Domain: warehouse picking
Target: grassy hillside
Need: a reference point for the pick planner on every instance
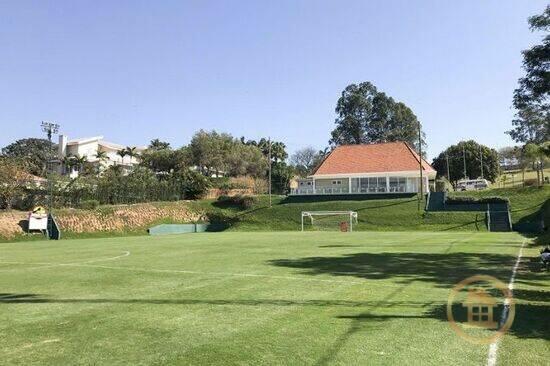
(514, 178)
(374, 214)
(525, 202)
(387, 214)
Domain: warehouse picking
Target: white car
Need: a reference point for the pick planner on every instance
(472, 184)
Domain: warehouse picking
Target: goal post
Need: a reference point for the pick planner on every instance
(326, 220)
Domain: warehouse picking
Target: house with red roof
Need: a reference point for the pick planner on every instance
(382, 168)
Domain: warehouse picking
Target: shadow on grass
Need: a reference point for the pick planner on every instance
(476, 222)
(530, 320)
(442, 269)
(42, 299)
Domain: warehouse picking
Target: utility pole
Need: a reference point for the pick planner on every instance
(420, 165)
(269, 161)
(481, 158)
(50, 128)
(448, 174)
(464, 159)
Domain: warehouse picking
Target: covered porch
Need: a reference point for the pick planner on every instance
(365, 184)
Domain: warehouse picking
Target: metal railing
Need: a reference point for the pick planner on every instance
(354, 190)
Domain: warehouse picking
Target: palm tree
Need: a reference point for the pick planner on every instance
(101, 156)
(68, 162)
(131, 152)
(80, 161)
(122, 153)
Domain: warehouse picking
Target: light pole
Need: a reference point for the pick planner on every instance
(481, 158)
(269, 162)
(464, 160)
(448, 173)
(420, 165)
(50, 128)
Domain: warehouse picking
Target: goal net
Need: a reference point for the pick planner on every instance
(329, 220)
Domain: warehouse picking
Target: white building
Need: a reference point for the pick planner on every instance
(387, 168)
(89, 148)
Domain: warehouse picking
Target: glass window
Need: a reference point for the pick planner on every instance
(355, 185)
(364, 185)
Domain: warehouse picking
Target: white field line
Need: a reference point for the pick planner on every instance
(493, 348)
(153, 270)
(217, 274)
(50, 264)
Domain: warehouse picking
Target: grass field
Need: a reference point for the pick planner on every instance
(261, 298)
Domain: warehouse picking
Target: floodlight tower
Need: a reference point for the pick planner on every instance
(50, 128)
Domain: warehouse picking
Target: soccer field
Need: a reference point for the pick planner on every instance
(261, 298)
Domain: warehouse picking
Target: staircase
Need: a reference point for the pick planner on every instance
(499, 221)
(53, 231)
(436, 201)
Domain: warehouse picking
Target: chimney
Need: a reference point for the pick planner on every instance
(62, 147)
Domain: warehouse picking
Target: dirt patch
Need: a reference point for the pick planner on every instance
(10, 223)
(127, 217)
(106, 218)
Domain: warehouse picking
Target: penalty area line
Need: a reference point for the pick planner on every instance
(50, 265)
(217, 274)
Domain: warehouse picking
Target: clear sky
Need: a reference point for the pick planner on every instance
(137, 70)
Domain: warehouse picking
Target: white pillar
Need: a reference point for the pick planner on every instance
(349, 185)
(313, 185)
(387, 184)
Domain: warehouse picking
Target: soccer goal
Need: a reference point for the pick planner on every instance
(329, 220)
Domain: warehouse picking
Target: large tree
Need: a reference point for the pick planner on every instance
(278, 148)
(33, 152)
(474, 154)
(366, 115)
(157, 144)
(12, 179)
(208, 151)
(531, 98)
(306, 160)
(537, 155)
(164, 160)
(215, 153)
(246, 160)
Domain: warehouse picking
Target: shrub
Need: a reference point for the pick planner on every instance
(193, 184)
(239, 201)
(89, 204)
(219, 182)
(468, 199)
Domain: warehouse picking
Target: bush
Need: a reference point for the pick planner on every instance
(219, 182)
(89, 204)
(468, 199)
(193, 184)
(531, 182)
(239, 201)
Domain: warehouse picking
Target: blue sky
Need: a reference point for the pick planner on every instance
(137, 70)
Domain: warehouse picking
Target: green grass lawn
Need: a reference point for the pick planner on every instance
(389, 214)
(525, 203)
(260, 298)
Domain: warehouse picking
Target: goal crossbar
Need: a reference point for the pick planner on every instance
(351, 214)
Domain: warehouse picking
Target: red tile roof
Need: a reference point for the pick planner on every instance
(372, 158)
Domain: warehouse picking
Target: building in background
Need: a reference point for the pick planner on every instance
(96, 151)
(383, 168)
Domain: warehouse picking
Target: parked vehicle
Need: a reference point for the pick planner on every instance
(472, 184)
